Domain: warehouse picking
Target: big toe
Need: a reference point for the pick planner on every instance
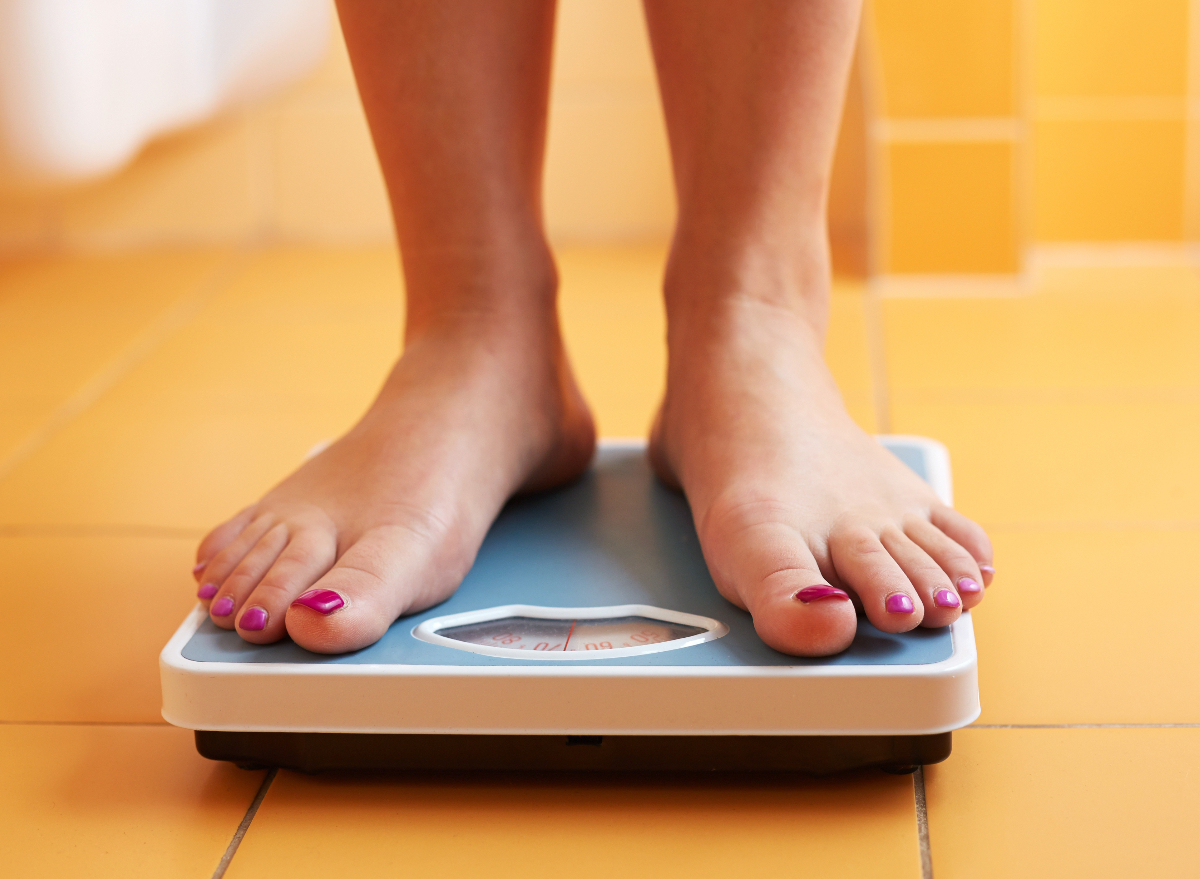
(380, 577)
(804, 620)
(767, 568)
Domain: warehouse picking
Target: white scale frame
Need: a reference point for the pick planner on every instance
(577, 698)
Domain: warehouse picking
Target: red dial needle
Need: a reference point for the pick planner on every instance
(569, 635)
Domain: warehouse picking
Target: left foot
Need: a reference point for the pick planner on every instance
(788, 493)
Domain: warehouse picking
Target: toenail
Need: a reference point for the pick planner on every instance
(987, 569)
(320, 600)
(253, 620)
(207, 591)
(200, 566)
(899, 602)
(816, 593)
(223, 606)
(946, 598)
(966, 584)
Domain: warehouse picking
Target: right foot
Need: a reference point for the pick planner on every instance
(388, 519)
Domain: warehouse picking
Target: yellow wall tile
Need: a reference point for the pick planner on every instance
(608, 171)
(114, 802)
(860, 825)
(335, 69)
(28, 222)
(1045, 804)
(603, 43)
(1108, 180)
(945, 58)
(950, 208)
(199, 186)
(1110, 47)
(327, 183)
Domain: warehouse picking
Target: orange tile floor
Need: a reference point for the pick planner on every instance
(144, 397)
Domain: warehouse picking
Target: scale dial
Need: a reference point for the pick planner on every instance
(525, 632)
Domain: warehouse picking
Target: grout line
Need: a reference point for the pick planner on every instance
(153, 531)
(922, 823)
(948, 130)
(223, 864)
(1052, 526)
(1084, 726)
(1191, 131)
(155, 723)
(145, 344)
(877, 360)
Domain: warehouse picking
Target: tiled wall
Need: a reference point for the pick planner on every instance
(980, 127)
(301, 168)
(1110, 102)
(946, 135)
(1004, 123)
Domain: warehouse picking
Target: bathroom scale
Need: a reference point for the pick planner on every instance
(588, 635)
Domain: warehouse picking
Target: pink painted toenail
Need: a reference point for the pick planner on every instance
(966, 584)
(946, 598)
(816, 593)
(320, 600)
(987, 569)
(253, 620)
(899, 602)
(223, 606)
(207, 591)
(200, 566)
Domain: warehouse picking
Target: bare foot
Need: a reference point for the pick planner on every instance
(388, 519)
(789, 494)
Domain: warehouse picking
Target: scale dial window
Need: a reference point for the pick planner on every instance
(525, 632)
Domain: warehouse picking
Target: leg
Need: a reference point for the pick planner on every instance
(388, 519)
(786, 490)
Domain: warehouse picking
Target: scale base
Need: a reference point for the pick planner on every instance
(813, 755)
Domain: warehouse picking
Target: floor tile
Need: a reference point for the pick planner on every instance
(289, 355)
(292, 352)
(615, 329)
(1139, 336)
(1066, 802)
(101, 801)
(1084, 626)
(98, 611)
(63, 319)
(1048, 461)
(582, 827)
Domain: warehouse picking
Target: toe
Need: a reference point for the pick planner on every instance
(968, 535)
(383, 574)
(959, 565)
(795, 611)
(889, 598)
(221, 565)
(943, 605)
(249, 571)
(764, 565)
(309, 554)
(219, 538)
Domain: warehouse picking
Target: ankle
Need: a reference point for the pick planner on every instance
(714, 281)
(715, 304)
(485, 289)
